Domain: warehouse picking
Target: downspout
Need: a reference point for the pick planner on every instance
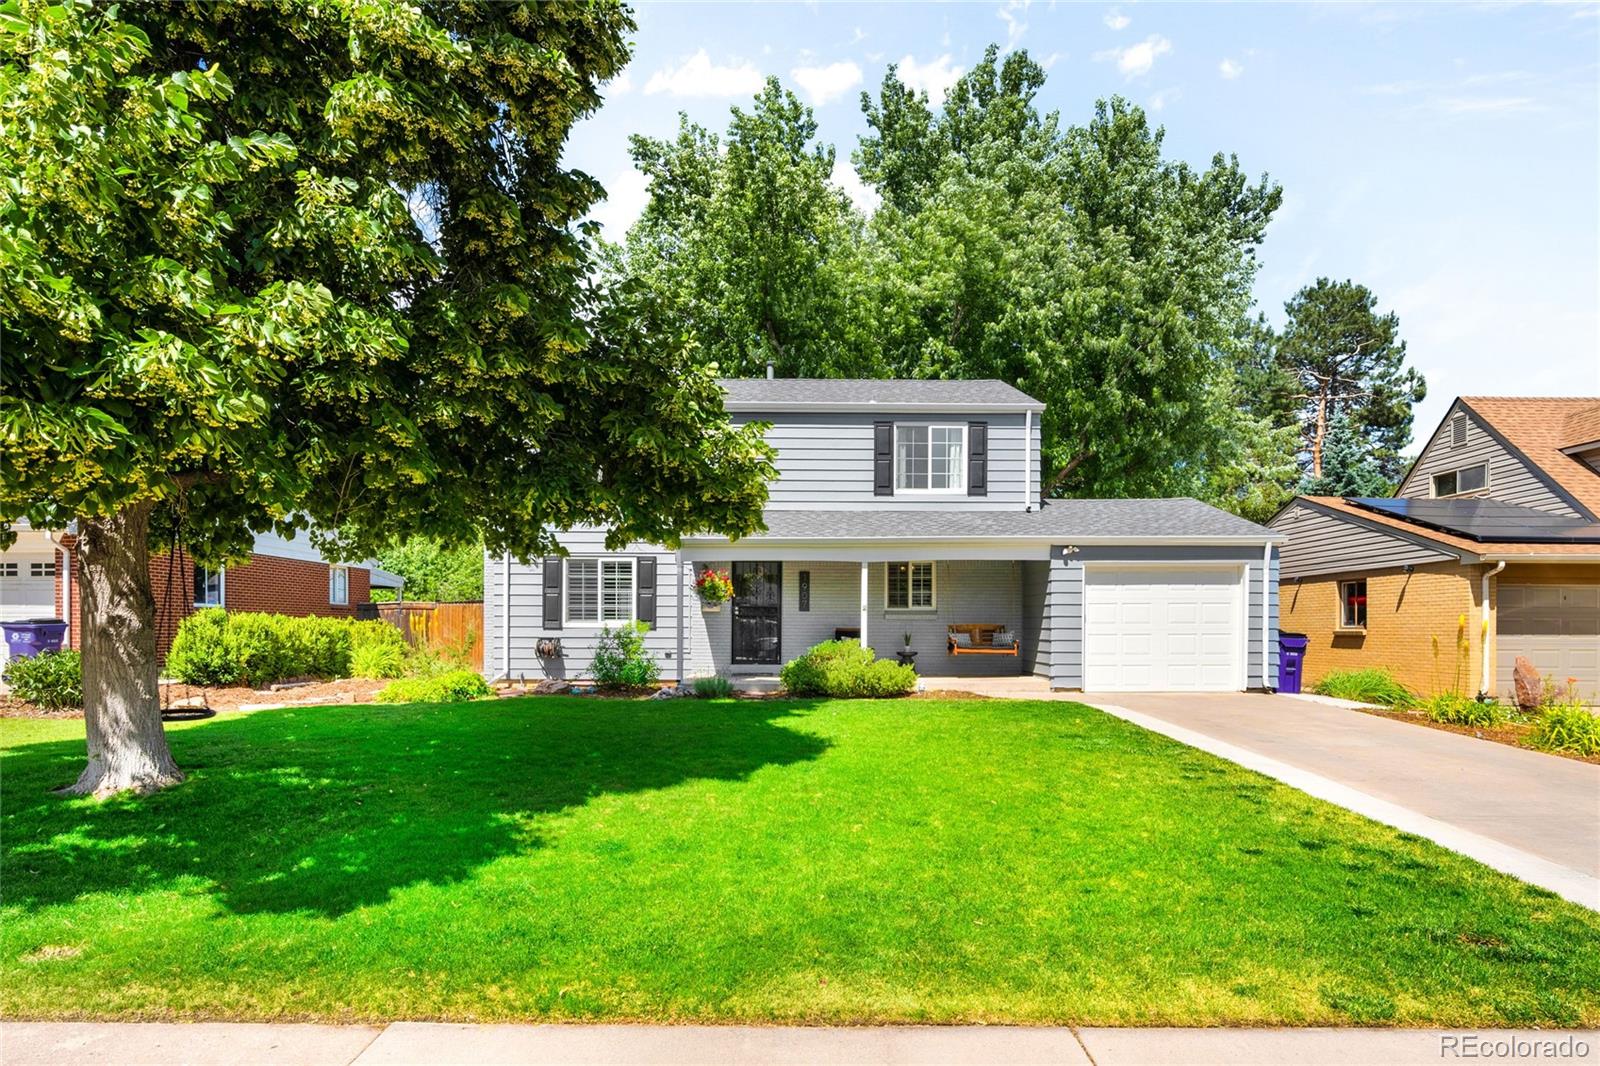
(66, 587)
(505, 622)
(1484, 683)
(1027, 460)
(1266, 611)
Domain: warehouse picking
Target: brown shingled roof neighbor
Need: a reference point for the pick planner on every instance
(1539, 428)
(1583, 426)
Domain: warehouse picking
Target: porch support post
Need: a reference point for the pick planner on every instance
(864, 574)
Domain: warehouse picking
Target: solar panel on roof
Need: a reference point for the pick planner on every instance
(1486, 520)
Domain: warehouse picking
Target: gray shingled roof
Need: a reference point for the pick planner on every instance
(836, 392)
(1060, 520)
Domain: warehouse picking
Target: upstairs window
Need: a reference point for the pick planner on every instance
(207, 587)
(908, 586)
(338, 585)
(930, 458)
(1353, 604)
(599, 591)
(1456, 482)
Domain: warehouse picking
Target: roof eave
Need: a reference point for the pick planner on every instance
(881, 408)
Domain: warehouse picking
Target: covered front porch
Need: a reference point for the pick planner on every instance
(895, 601)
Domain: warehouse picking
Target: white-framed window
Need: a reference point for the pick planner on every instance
(209, 587)
(8, 569)
(1353, 604)
(930, 457)
(338, 585)
(908, 586)
(1473, 478)
(599, 592)
(42, 569)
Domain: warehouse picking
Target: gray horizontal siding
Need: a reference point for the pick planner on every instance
(1036, 634)
(1511, 478)
(825, 462)
(1322, 543)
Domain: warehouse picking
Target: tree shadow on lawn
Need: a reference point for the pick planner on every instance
(329, 809)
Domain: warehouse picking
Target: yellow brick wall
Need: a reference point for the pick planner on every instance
(1413, 622)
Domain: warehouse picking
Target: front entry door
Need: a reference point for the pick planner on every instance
(757, 612)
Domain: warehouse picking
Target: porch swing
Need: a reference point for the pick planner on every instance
(979, 639)
(169, 713)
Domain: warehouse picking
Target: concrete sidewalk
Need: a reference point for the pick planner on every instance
(436, 1044)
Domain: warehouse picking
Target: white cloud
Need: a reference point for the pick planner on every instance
(1052, 59)
(1230, 69)
(1162, 97)
(933, 77)
(1137, 59)
(845, 177)
(1484, 105)
(621, 85)
(1011, 13)
(627, 194)
(859, 36)
(1117, 20)
(698, 76)
(827, 83)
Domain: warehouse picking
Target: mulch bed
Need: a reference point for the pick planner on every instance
(182, 699)
(1510, 734)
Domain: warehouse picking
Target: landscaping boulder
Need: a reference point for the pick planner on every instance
(1527, 684)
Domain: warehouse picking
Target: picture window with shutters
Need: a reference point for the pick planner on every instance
(599, 591)
(930, 458)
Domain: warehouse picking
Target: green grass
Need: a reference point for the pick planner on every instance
(1373, 685)
(752, 861)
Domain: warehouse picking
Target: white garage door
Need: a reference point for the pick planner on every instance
(1556, 627)
(1162, 630)
(27, 588)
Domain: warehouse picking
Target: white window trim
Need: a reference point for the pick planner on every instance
(961, 468)
(10, 569)
(933, 569)
(345, 600)
(632, 564)
(1340, 625)
(222, 587)
(1433, 482)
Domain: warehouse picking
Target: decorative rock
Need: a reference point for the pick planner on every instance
(1528, 685)
(551, 686)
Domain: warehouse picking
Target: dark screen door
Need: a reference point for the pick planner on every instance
(757, 612)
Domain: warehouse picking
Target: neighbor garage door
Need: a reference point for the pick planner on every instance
(1556, 627)
(1162, 630)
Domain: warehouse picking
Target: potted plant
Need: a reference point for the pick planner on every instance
(714, 587)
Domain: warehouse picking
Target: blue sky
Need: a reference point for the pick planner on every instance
(1446, 156)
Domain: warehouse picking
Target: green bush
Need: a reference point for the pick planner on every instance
(713, 688)
(620, 658)
(372, 632)
(844, 669)
(1365, 686)
(378, 660)
(1569, 726)
(454, 687)
(215, 647)
(199, 653)
(1452, 709)
(51, 681)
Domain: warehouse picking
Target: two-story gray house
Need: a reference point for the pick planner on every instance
(913, 507)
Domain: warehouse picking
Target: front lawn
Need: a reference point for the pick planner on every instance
(914, 860)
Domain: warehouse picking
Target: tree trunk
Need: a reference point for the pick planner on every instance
(121, 698)
(1319, 434)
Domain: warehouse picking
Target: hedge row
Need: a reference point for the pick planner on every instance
(218, 647)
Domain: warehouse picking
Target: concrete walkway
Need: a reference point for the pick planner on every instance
(433, 1044)
(1532, 815)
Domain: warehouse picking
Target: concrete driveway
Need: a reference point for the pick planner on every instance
(1541, 807)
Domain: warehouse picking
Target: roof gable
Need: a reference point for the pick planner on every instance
(1538, 428)
(853, 394)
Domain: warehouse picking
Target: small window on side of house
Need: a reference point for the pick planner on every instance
(1467, 479)
(1353, 604)
(207, 587)
(908, 586)
(338, 585)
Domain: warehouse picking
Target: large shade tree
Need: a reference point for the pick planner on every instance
(269, 266)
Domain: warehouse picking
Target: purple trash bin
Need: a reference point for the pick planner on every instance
(1291, 660)
(33, 636)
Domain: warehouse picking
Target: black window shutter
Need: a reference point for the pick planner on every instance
(199, 585)
(883, 458)
(977, 458)
(552, 592)
(645, 574)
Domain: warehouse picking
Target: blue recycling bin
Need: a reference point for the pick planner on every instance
(1291, 660)
(33, 636)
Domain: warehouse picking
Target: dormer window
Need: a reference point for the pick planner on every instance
(930, 457)
(1457, 482)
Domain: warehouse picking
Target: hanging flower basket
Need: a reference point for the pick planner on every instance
(714, 587)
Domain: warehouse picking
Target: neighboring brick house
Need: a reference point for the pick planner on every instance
(284, 575)
(1489, 550)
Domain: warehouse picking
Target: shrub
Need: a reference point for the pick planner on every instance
(315, 647)
(713, 688)
(1462, 710)
(844, 669)
(378, 660)
(1365, 686)
(51, 681)
(620, 658)
(1569, 727)
(199, 653)
(454, 687)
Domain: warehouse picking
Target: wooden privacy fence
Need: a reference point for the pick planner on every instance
(448, 628)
